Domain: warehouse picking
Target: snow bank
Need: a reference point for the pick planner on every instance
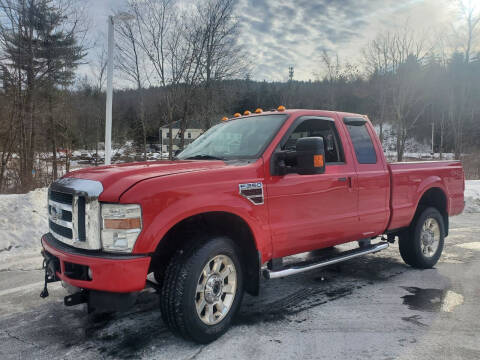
(23, 219)
(472, 196)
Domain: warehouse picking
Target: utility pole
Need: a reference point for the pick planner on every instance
(433, 133)
(290, 73)
(160, 135)
(108, 112)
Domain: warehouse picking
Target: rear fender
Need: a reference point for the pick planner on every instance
(430, 183)
(427, 184)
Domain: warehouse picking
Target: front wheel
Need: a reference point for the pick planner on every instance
(202, 289)
(422, 245)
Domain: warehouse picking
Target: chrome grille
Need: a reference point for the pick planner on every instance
(60, 214)
(61, 197)
(60, 230)
(74, 212)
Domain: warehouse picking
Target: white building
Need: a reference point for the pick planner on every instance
(190, 135)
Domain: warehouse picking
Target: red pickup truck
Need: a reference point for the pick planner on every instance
(249, 192)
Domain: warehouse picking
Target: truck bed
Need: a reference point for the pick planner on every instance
(410, 180)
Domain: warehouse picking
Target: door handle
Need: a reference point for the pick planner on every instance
(345, 179)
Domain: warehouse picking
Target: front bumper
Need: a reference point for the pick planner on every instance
(109, 272)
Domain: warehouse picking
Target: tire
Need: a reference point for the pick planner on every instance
(197, 264)
(159, 275)
(422, 244)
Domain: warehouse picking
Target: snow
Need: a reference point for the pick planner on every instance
(24, 217)
(472, 196)
(413, 148)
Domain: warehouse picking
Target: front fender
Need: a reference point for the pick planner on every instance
(164, 209)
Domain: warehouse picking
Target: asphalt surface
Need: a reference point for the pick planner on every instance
(373, 307)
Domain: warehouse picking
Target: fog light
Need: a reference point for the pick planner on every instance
(120, 240)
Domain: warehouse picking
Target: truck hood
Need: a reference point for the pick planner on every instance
(116, 179)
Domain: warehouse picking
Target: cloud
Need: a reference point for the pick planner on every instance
(281, 33)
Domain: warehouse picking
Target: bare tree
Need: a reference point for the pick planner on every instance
(155, 20)
(468, 32)
(332, 74)
(395, 60)
(8, 132)
(131, 61)
(220, 59)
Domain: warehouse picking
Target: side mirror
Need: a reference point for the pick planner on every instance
(310, 155)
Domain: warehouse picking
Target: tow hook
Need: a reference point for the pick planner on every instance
(49, 264)
(78, 298)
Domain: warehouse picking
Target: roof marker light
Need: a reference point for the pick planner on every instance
(246, 112)
(224, 118)
(258, 111)
(237, 115)
(281, 108)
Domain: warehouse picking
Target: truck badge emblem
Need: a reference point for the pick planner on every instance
(252, 192)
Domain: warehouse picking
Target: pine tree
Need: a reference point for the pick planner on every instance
(39, 55)
(59, 55)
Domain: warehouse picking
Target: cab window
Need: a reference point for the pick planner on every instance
(318, 128)
(362, 142)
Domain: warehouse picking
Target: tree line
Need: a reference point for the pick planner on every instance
(182, 67)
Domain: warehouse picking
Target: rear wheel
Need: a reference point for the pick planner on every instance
(422, 245)
(202, 289)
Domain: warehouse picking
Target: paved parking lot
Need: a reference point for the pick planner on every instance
(373, 307)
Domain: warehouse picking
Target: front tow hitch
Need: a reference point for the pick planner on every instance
(76, 299)
(51, 265)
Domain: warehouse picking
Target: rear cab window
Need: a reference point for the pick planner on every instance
(361, 140)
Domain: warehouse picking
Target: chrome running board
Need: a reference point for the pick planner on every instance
(347, 255)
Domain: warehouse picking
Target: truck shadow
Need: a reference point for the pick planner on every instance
(280, 299)
(140, 331)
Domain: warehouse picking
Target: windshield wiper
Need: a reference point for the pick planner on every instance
(203, 157)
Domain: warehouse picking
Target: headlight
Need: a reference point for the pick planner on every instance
(121, 225)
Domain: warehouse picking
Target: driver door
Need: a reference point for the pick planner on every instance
(308, 212)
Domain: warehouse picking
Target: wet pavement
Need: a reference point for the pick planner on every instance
(373, 307)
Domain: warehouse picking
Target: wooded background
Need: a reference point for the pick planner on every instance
(182, 66)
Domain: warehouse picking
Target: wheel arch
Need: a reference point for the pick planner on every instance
(213, 223)
(434, 196)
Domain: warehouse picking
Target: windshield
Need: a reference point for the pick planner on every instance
(244, 138)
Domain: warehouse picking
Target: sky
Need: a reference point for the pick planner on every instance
(281, 33)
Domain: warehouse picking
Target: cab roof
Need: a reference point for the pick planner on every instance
(303, 111)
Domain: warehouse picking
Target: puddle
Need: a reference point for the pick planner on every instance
(470, 246)
(432, 300)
